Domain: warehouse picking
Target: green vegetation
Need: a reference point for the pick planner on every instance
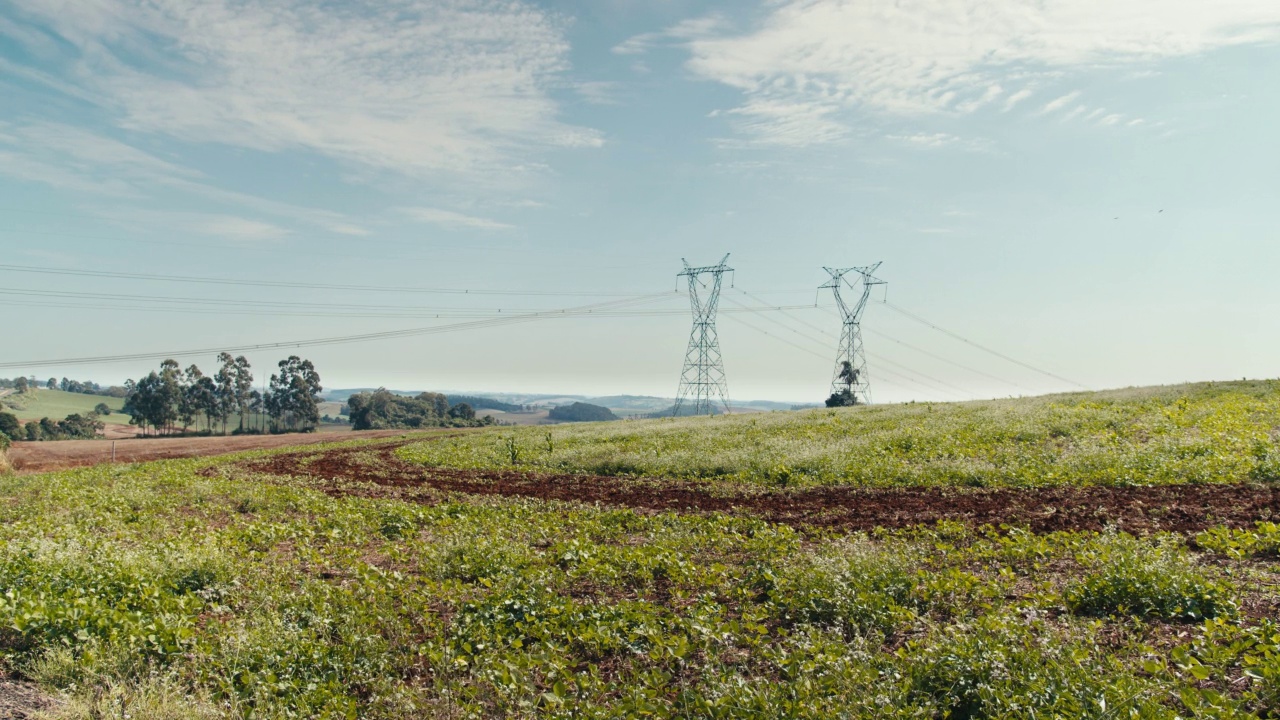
(173, 400)
(845, 397)
(37, 404)
(484, 403)
(1216, 432)
(581, 412)
(382, 409)
(74, 427)
(201, 589)
(161, 591)
(10, 428)
(1125, 576)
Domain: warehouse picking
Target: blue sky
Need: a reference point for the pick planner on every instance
(1089, 187)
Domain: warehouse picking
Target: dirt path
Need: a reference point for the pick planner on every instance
(29, 457)
(1182, 508)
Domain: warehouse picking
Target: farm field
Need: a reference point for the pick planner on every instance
(1212, 432)
(56, 404)
(784, 568)
(29, 457)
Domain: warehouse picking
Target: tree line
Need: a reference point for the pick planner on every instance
(84, 387)
(74, 427)
(174, 400)
(383, 409)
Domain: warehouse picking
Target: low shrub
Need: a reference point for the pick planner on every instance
(1012, 666)
(1128, 576)
(1262, 541)
(854, 589)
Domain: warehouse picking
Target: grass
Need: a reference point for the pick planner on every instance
(193, 589)
(56, 405)
(1215, 432)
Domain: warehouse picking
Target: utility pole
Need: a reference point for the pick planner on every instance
(850, 352)
(702, 382)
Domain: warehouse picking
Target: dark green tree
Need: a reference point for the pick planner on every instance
(202, 395)
(294, 398)
(188, 404)
(242, 387)
(846, 397)
(10, 426)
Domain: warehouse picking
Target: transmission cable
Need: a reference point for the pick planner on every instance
(289, 284)
(298, 309)
(890, 338)
(886, 371)
(1002, 356)
(941, 383)
(343, 339)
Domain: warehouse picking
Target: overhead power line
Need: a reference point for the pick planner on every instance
(967, 341)
(931, 384)
(890, 338)
(290, 284)
(307, 309)
(343, 339)
(906, 374)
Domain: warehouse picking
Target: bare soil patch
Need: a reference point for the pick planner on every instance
(20, 700)
(1182, 508)
(30, 457)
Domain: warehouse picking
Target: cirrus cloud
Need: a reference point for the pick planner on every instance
(806, 63)
(414, 86)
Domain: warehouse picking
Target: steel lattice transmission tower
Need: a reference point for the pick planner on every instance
(852, 376)
(702, 381)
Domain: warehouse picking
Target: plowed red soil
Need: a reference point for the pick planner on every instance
(377, 472)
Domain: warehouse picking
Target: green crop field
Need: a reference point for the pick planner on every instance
(56, 405)
(227, 587)
(1216, 432)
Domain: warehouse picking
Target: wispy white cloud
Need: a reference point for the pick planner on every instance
(71, 158)
(597, 92)
(926, 139)
(1015, 98)
(1059, 102)
(1075, 112)
(76, 159)
(175, 222)
(687, 29)
(414, 86)
(940, 139)
(453, 220)
(809, 62)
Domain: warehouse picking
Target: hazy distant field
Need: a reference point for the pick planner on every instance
(56, 405)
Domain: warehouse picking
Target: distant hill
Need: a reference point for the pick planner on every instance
(685, 411)
(623, 405)
(485, 403)
(631, 403)
(581, 412)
